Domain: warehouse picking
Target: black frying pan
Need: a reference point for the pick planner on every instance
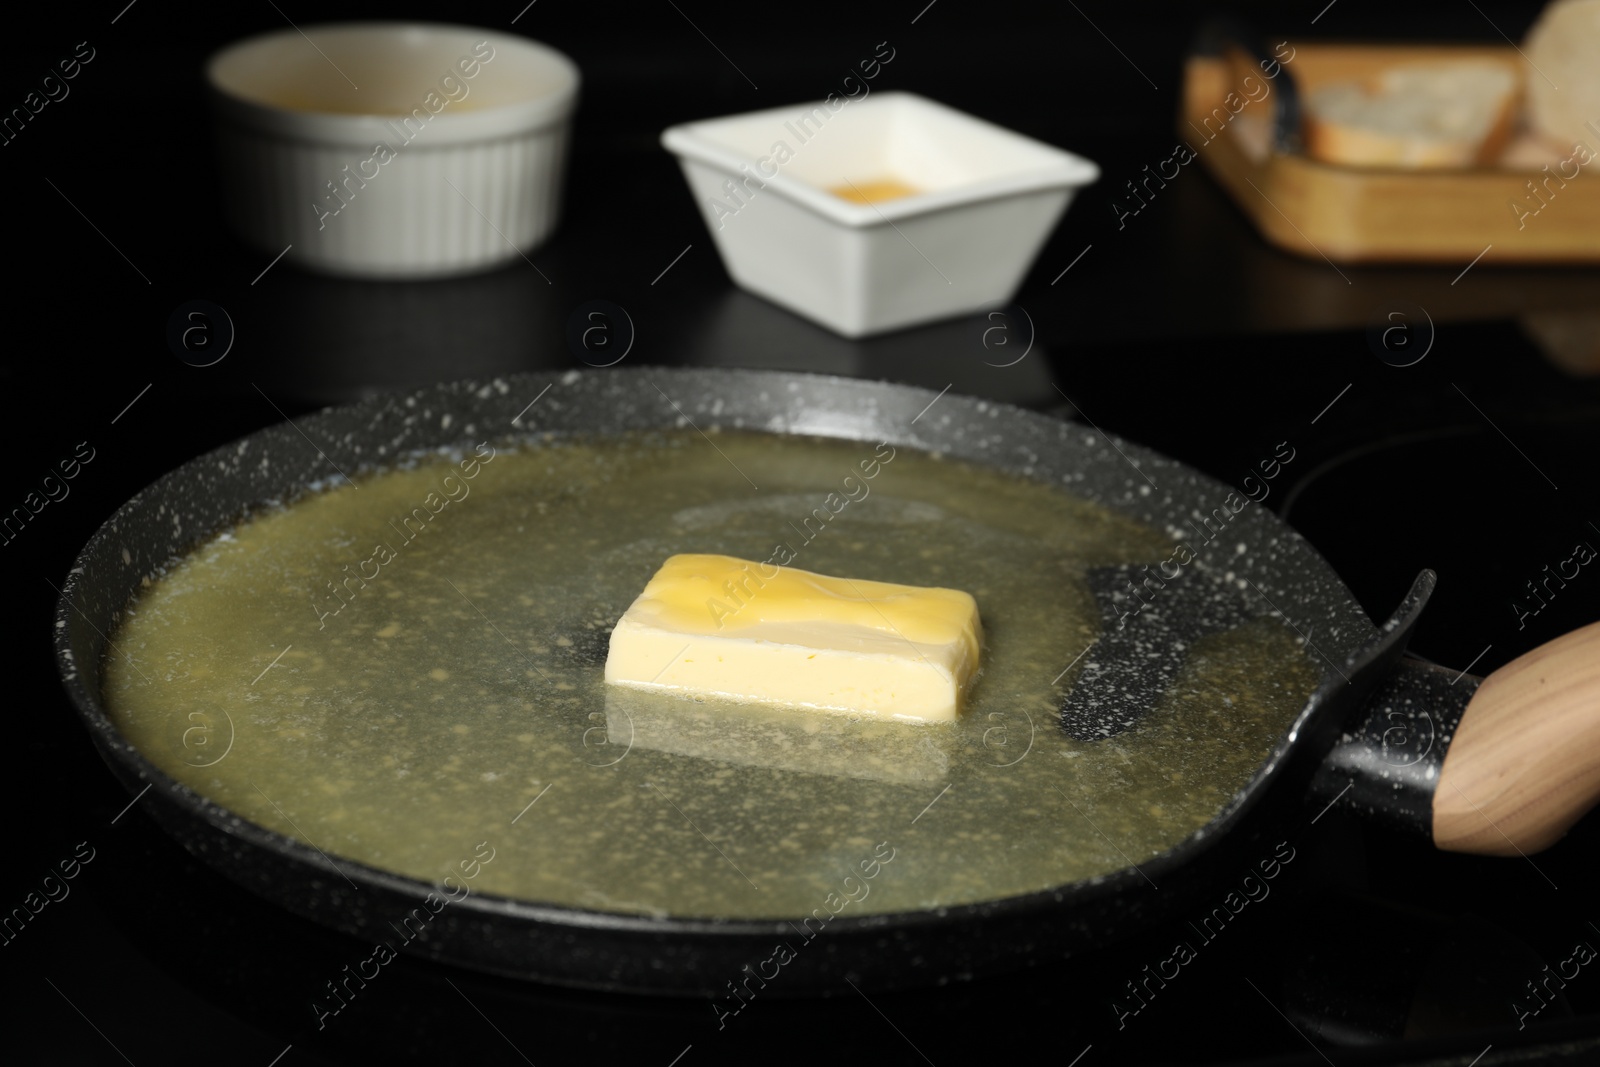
(1375, 734)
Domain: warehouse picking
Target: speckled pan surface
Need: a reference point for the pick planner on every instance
(1385, 767)
(609, 951)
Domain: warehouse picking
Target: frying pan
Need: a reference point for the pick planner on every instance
(1498, 767)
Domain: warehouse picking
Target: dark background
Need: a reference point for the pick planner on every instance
(1181, 330)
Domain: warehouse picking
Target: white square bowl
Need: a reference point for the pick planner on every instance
(987, 198)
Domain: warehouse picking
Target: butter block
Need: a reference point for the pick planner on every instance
(745, 631)
(786, 738)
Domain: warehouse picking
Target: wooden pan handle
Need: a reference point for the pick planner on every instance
(1524, 764)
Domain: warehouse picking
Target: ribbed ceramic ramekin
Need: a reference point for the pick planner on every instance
(392, 150)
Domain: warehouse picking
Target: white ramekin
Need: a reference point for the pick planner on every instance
(474, 123)
(990, 198)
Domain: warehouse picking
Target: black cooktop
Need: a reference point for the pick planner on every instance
(1182, 331)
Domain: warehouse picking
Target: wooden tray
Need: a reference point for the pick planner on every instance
(1355, 215)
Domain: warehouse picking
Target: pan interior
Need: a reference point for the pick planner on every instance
(393, 671)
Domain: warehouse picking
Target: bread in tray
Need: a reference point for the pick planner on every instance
(1563, 48)
(1415, 116)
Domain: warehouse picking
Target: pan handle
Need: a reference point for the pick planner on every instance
(1524, 762)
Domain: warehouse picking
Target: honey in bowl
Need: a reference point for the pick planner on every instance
(875, 191)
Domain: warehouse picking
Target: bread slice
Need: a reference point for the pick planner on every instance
(1425, 115)
(1561, 48)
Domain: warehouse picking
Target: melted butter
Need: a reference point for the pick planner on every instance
(401, 718)
(875, 191)
(711, 594)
